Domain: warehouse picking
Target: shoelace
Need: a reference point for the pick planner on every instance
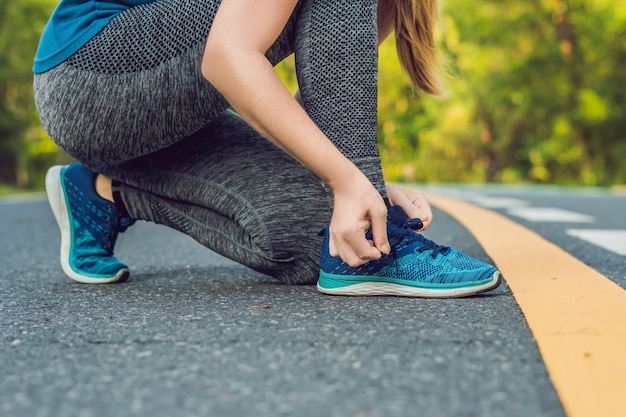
(406, 233)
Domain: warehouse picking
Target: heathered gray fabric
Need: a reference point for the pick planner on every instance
(337, 67)
(132, 104)
(236, 193)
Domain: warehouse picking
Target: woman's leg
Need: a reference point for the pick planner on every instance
(336, 61)
(236, 193)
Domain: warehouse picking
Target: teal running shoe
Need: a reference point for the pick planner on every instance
(89, 226)
(416, 267)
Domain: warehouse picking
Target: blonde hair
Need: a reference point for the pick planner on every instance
(414, 24)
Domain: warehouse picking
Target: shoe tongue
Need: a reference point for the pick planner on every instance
(396, 216)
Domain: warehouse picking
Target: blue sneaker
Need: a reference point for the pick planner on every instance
(416, 267)
(89, 226)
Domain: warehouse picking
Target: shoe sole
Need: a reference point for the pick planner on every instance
(387, 288)
(58, 204)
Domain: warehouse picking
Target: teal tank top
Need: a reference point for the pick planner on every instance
(72, 24)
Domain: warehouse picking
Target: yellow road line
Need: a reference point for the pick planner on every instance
(577, 316)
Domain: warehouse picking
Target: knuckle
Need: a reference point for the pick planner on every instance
(356, 262)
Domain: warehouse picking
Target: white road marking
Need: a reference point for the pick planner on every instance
(613, 240)
(23, 198)
(548, 214)
(498, 202)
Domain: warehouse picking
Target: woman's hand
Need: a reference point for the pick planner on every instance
(412, 202)
(358, 207)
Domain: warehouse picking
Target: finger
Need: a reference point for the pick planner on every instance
(379, 232)
(410, 209)
(425, 225)
(423, 210)
(365, 254)
(363, 249)
(417, 206)
(426, 222)
(354, 250)
(419, 211)
(332, 247)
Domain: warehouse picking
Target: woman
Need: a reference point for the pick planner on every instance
(138, 91)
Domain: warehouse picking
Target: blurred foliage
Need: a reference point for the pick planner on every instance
(536, 93)
(25, 149)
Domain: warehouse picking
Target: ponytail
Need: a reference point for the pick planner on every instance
(415, 22)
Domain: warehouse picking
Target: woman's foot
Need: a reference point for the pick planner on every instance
(89, 225)
(416, 267)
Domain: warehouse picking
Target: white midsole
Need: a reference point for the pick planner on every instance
(387, 288)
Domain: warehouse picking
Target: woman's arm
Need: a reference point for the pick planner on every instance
(234, 62)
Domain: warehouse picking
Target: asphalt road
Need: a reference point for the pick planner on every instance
(193, 334)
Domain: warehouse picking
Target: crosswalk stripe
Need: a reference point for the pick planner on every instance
(613, 240)
(498, 202)
(549, 214)
(577, 316)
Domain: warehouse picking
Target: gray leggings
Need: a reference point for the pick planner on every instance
(133, 105)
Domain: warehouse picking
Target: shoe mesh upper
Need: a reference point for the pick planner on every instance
(413, 258)
(93, 222)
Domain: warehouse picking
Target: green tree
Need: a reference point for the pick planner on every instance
(537, 95)
(23, 144)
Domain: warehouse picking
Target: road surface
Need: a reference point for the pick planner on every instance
(193, 334)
